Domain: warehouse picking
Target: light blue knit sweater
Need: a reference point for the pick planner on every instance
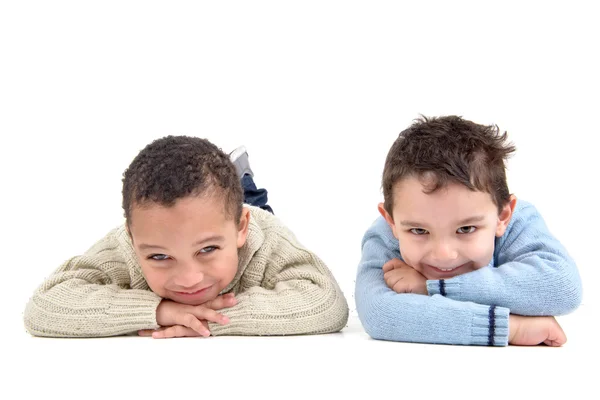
(531, 273)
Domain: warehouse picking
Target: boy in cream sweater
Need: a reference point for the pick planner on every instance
(191, 259)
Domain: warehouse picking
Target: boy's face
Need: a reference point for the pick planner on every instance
(188, 252)
(448, 232)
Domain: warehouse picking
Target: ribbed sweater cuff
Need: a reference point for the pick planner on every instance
(132, 309)
(490, 326)
(445, 288)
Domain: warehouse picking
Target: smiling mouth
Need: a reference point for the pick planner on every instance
(447, 269)
(195, 292)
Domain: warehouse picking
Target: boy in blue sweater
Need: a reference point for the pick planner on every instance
(455, 258)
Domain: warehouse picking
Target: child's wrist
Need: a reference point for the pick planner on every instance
(513, 326)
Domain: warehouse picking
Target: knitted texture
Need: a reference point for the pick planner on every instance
(530, 273)
(281, 289)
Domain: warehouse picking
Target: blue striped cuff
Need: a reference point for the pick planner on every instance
(490, 326)
(446, 288)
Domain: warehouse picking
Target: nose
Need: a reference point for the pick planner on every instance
(188, 276)
(443, 251)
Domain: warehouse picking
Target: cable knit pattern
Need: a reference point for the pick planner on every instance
(281, 288)
(531, 273)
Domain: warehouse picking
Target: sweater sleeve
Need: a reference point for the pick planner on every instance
(534, 274)
(297, 294)
(90, 296)
(408, 317)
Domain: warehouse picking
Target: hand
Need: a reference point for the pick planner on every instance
(166, 332)
(531, 331)
(179, 320)
(402, 278)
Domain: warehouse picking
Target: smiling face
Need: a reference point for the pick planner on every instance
(447, 232)
(188, 252)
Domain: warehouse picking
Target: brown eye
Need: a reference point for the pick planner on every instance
(466, 229)
(419, 231)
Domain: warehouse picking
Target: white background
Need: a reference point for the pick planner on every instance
(317, 91)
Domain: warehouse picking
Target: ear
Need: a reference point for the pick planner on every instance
(505, 215)
(243, 225)
(388, 218)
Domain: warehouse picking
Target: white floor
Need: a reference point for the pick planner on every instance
(348, 364)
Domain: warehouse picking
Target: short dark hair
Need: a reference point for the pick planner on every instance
(446, 149)
(175, 167)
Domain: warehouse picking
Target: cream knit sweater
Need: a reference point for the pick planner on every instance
(281, 288)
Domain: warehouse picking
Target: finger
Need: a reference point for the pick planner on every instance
(400, 286)
(202, 312)
(151, 332)
(394, 263)
(387, 277)
(173, 331)
(554, 343)
(223, 301)
(190, 321)
(164, 332)
(390, 265)
(556, 336)
(393, 277)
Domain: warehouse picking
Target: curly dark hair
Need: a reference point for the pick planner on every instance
(174, 167)
(449, 149)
